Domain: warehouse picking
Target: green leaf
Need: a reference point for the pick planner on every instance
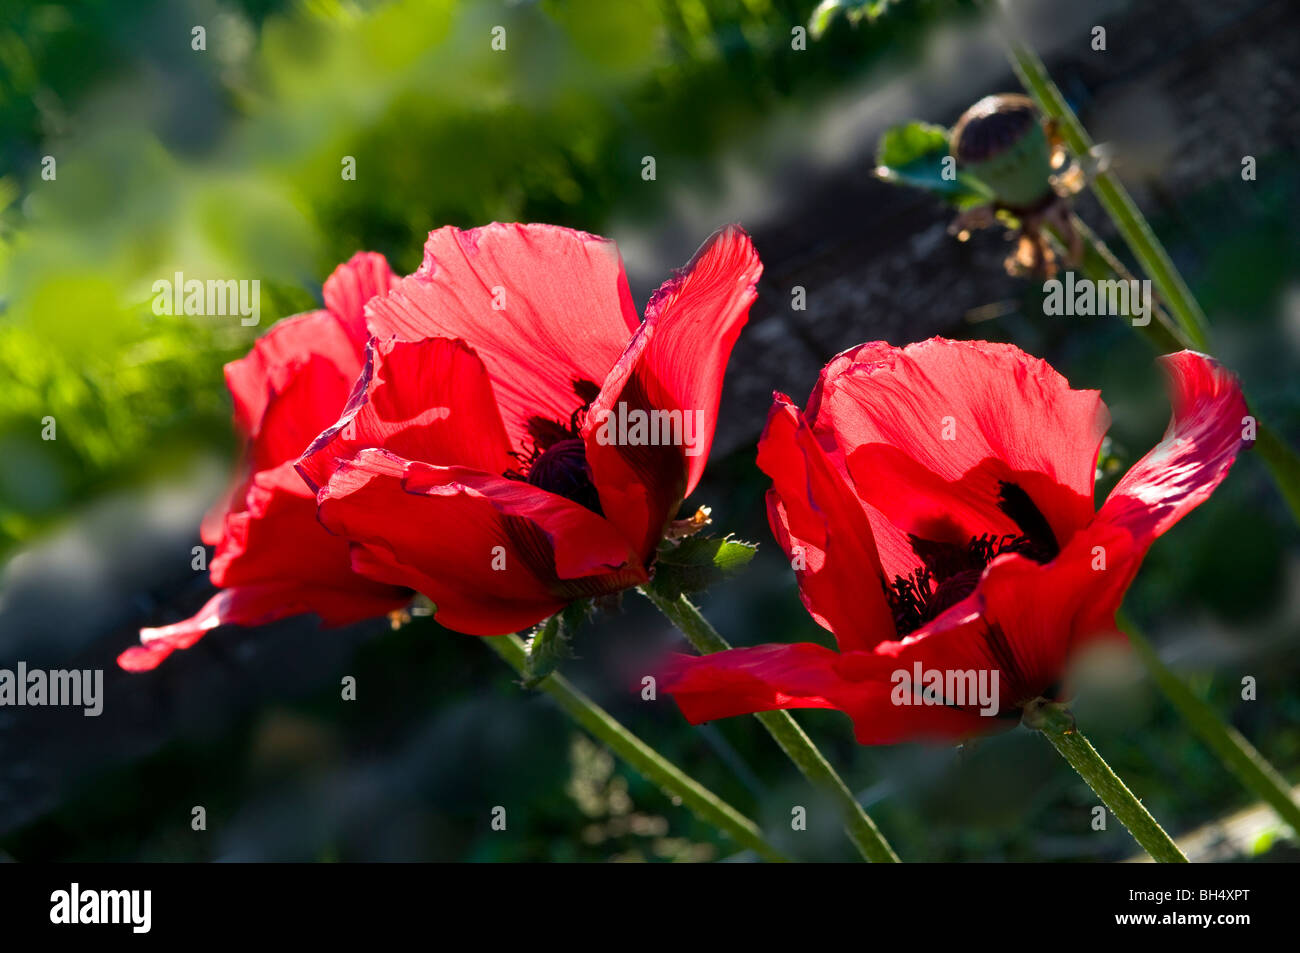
(549, 644)
(1263, 843)
(913, 154)
(822, 17)
(698, 562)
(854, 11)
(546, 648)
(575, 615)
(913, 141)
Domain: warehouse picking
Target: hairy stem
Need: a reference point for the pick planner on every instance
(799, 748)
(1057, 725)
(1237, 754)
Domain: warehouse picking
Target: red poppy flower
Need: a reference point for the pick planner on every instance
(483, 459)
(937, 503)
(273, 559)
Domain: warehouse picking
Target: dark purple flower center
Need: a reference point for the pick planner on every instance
(563, 469)
(555, 458)
(950, 572)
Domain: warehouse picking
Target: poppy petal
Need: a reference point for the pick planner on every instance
(353, 283)
(1205, 434)
(276, 536)
(1022, 626)
(672, 371)
(232, 499)
(427, 400)
(291, 385)
(495, 555)
(812, 507)
(546, 308)
(255, 605)
(640, 485)
(744, 680)
(1036, 617)
(1023, 623)
(863, 685)
(933, 432)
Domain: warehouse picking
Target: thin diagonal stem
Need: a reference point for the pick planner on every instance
(1237, 754)
(649, 763)
(859, 826)
(1281, 459)
(1057, 725)
(1119, 205)
(1100, 264)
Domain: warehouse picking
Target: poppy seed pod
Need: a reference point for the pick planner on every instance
(1001, 142)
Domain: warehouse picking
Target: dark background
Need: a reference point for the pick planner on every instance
(227, 162)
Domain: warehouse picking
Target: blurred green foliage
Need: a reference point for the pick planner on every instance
(913, 153)
(226, 163)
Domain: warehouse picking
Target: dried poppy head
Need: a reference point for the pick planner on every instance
(1002, 142)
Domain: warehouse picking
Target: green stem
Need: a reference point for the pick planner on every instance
(1056, 723)
(1100, 264)
(653, 766)
(1236, 753)
(1283, 464)
(862, 830)
(1119, 205)
(1279, 458)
